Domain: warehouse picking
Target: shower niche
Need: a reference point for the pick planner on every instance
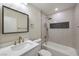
(61, 25)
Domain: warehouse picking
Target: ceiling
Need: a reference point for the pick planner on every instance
(49, 8)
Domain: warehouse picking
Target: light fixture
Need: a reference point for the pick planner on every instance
(56, 9)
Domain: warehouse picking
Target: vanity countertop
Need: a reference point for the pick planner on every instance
(7, 51)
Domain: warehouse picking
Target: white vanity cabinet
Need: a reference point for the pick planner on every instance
(32, 52)
(28, 48)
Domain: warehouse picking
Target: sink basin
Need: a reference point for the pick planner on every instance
(21, 46)
(19, 49)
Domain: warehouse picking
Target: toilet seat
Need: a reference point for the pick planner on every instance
(44, 52)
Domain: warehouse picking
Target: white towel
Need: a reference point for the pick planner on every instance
(37, 40)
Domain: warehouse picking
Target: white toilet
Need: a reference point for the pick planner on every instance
(43, 52)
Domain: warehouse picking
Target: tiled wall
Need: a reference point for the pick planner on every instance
(62, 36)
(76, 40)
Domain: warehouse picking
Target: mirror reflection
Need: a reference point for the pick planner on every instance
(14, 21)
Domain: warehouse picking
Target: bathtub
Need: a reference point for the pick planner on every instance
(59, 50)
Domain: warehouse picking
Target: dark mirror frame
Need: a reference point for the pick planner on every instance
(15, 11)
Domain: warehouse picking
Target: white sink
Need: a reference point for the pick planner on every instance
(21, 46)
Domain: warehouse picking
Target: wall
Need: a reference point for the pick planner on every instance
(34, 18)
(44, 21)
(62, 36)
(76, 41)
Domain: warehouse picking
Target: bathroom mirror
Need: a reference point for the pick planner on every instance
(14, 21)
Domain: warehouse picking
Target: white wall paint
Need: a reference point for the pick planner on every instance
(34, 18)
(62, 36)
